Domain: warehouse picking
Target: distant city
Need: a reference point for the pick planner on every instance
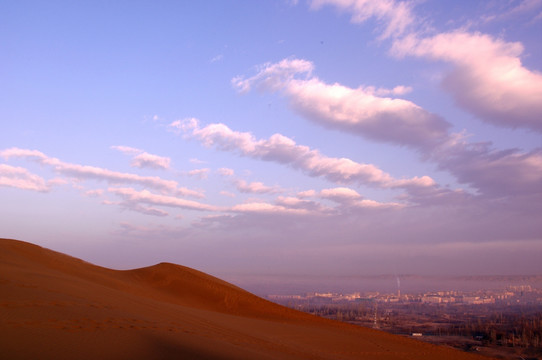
(504, 323)
(512, 295)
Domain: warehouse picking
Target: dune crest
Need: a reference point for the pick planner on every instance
(53, 306)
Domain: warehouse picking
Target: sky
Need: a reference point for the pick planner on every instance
(284, 138)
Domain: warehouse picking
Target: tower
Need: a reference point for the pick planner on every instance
(375, 323)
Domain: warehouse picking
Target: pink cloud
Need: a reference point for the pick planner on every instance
(23, 153)
(21, 178)
(488, 78)
(94, 193)
(362, 112)
(306, 194)
(346, 201)
(494, 172)
(394, 17)
(340, 194)
(137, 207)
(199, 173)
(255, 187)
(266, 208)
(358, 110)
(143, 159)
(183, 191)
(281, 149)
(225, 172)
(85, 172)
(127, 149)
(97, 173)
(300, 203)
(526, 8)
(197, 161)
(146, 210)
(150, 232)
(349, 198)
(272, 77)
(144, 196)
(398, 90)
(227, 193)
(146, 160)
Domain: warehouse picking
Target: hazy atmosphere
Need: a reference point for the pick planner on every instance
(259, 138)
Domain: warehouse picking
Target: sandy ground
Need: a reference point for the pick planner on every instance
(53, 306)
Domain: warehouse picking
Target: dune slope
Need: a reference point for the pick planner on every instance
(53, 306)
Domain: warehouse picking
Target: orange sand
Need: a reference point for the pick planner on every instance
(53, 306)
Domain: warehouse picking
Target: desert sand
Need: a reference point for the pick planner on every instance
(53, 306)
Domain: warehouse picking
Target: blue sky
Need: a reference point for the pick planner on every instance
(315, 137)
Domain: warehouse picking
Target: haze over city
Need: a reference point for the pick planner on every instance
(246, 139)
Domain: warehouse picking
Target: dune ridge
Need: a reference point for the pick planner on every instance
(53, 306)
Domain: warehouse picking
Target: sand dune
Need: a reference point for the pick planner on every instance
(53, 306)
